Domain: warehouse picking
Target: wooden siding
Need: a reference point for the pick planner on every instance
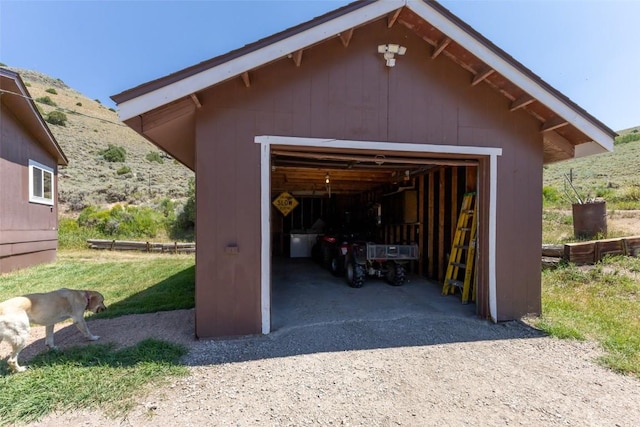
(348, 93)
(28, 231)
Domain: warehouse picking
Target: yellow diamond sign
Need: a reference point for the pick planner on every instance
(285, 203)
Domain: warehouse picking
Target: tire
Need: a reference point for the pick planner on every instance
(337, 266)
(355, 274)
(316, 254)
(396, 274)
(326, 257)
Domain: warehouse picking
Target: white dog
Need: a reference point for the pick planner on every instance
(46, 309)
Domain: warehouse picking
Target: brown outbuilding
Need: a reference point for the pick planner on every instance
(382, 113)
(29, 160)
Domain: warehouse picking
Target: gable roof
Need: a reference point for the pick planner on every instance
(568, 130)
(16, 98)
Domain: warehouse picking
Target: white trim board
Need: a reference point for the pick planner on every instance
(267, 141)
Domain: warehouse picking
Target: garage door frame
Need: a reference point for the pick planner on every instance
(266, 141)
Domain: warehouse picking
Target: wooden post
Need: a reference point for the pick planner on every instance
(420, 224)
(441, 216)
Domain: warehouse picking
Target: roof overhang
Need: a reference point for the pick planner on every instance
(15, 97)
(567, 130)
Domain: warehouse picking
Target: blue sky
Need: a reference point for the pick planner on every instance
(588, 49)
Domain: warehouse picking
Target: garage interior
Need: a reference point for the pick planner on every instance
(382, 197)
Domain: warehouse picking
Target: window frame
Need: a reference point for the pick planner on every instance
(44, 172)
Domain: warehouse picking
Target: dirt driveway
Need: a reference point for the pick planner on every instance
(415, 360)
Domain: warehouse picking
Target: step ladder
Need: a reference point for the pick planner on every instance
(464, 241)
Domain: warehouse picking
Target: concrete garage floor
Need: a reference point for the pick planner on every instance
(305, 294)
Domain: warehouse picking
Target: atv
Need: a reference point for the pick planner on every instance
(370, 259)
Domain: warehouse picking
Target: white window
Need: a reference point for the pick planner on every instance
(40, 183)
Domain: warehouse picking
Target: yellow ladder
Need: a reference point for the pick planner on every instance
(463, 240)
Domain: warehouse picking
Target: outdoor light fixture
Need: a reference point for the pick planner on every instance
(389, 51)
(326, 179)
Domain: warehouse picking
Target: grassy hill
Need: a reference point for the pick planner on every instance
(613, 176)
(145, 177)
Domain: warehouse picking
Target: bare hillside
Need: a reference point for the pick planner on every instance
(89, 179)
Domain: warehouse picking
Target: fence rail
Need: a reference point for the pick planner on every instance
(124, 245)
(590, 252)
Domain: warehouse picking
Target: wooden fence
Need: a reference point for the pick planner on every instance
(124, 245)
(590, 252)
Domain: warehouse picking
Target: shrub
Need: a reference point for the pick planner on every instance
(550, 194)
(71, 236)
(112, 109)
(79, 104)
(123, 170)
(154, 156)
(98, 101)
(630, 137)
(122, 222)
(114, 153)
(46, 100)
(52, 91)
(57, 118)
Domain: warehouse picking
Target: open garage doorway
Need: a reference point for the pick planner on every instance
(389, 193)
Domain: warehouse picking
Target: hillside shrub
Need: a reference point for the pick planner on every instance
(630, 137)
(123, 222)
(46, 100)
(57, 118)
(123, 170)
(72, 236)
(183, 227)
(114, 153)
(51, 91)
(154, 156)
(79, 104)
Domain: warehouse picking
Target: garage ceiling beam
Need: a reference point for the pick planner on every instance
(521, 102)
(345, 37)
(379, 160)
(481, 75)
(245, 79)
(297, 57)
(195, 100)
(441, 47)
(553, 124)
(393, 17)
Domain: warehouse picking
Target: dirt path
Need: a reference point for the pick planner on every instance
(429, 369)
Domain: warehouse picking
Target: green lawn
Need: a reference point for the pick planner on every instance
(600, 303)
(99, 375)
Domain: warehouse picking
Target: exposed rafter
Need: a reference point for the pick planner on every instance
(557, 147)
(481, 75)
(195, 100)
(245, 79)
(345, 37)
(553, 124)
(521, 102)
(392, 18)
(297, 57)
(440, 47)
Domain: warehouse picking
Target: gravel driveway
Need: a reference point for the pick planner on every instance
(418, 359)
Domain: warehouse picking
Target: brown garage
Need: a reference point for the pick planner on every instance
(404, 109)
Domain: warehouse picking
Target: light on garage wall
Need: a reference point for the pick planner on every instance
(389, 52)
